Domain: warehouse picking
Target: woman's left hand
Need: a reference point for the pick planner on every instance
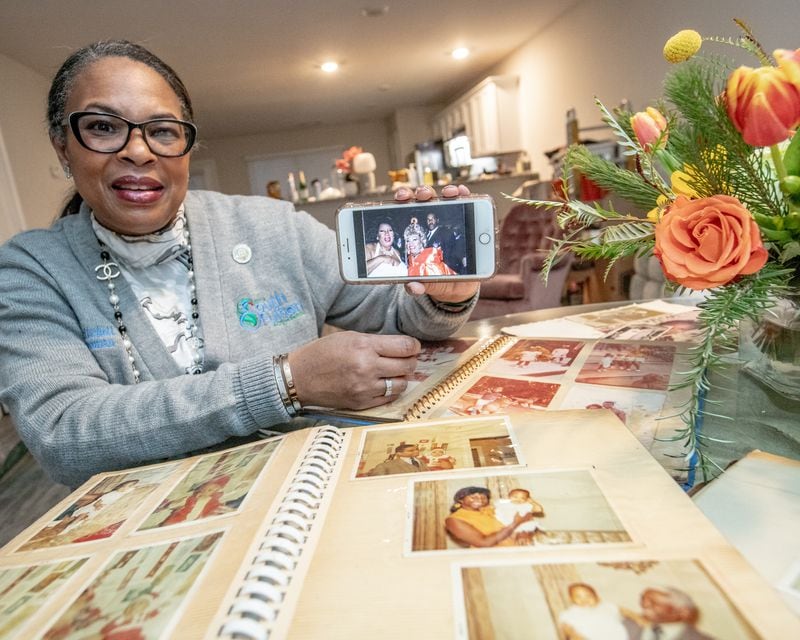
(460, 291)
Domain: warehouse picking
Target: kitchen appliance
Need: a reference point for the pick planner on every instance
(457, 151)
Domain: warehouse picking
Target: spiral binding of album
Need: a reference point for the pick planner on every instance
(428, 401)
(255, 609)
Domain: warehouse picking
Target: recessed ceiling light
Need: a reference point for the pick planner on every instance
(375, 12)
(460, 53)
(330, 66)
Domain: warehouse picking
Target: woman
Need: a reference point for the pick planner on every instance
(383, 260)
(422, 261)
(472, 521)
(103, 314)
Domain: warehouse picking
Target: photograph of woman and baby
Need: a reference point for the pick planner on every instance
(407, 242)
(512, 510)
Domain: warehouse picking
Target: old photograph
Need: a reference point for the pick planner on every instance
(626, 600)
(442, 445)
(515, 509)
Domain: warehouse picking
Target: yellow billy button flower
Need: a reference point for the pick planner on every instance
(682, 46)
(650, 127)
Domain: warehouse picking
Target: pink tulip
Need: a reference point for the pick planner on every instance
(763, 104)
(649, 126)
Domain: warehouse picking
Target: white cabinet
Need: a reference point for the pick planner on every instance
(488, 114)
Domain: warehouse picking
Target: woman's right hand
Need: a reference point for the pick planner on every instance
(348, 370)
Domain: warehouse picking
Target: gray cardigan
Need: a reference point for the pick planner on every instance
(65, 375)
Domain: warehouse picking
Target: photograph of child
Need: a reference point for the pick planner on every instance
(610, 319)
(138, 593)
(636, 408)
(23, 590)
(216, 485)
(439, 356)
(537, 358)
(443, 445)
(490, 395)
(535, 509)
(643, 600)
(681, 327)
(101, 511)
(622, 364)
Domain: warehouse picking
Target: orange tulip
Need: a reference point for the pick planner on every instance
(649, 126)
(763, 104)
(789, 62)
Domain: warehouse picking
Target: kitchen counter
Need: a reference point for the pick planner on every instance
(325, 210)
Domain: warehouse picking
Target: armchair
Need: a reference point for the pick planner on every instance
(525, 238)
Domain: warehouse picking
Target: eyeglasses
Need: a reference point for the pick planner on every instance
(104, 133)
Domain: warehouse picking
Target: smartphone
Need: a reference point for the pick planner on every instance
(439, 240)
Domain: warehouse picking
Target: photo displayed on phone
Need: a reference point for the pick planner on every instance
(416, 241)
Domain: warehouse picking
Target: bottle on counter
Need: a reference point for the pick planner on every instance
(302, 186)
(427, 176)
(292, 189)
(413, 178)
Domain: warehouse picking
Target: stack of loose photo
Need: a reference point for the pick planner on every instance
(503, 505)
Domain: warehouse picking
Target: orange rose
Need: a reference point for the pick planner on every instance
(708, 242)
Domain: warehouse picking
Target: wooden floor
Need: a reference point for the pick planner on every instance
(25, 492)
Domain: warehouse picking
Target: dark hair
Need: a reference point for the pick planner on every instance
(65, 78)
(403, 447)
(468, 491)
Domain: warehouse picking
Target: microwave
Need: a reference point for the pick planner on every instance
(457, 151)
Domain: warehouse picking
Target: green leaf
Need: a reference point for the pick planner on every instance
(791, 157)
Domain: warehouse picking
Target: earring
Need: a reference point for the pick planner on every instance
(67, 172)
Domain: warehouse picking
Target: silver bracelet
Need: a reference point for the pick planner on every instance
(291, 391)
(280, 382)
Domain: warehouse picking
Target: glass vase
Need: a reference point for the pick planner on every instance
(770, 347)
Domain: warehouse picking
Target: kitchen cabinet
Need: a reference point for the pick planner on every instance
(488, 114)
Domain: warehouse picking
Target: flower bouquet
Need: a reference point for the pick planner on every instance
(348, 181)
(713, 177)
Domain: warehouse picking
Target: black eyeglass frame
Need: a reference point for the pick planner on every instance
(191, 129)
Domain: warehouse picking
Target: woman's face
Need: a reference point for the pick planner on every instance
(474, 501)
(414, 244)
(132, 191)
(385, 236)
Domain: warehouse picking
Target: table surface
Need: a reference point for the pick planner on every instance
(743, 414)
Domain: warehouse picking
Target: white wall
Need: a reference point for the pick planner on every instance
(230, 154)
(613, 50)
(40, 182)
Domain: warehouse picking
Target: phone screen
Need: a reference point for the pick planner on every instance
(415, 240)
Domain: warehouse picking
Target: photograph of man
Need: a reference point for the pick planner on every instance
(451, 241)
(668, 613)
(382, 258)
(405, 459)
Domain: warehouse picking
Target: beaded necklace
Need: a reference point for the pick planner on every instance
(108, 271)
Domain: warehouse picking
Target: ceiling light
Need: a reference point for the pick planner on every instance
(330, 66)
(460, 53)
(375, 12)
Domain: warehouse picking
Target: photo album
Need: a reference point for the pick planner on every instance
(473, 527)
(626, 360)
